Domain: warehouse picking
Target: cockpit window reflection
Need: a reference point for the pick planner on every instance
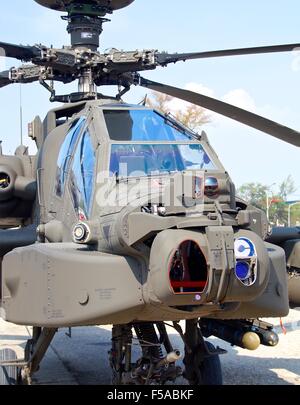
(143, 125)
(149, 160)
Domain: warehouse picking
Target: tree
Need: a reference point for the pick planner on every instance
(295, 215)
(188, 114)
(159, 101)
(193, 117)
(287, 187)
(259, 195)
(254, 194)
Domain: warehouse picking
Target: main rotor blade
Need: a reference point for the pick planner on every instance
(165, 58)
(20, 52)
(245, 117)
(5, 78)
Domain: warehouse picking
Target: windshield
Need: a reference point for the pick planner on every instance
(143, 125)
(149, 160)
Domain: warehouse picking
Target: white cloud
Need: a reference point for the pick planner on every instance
(177, 104)
(240, 98)
(200, 88)
(237, 97)
(247, 154)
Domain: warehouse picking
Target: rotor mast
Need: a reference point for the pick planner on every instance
(85, 25)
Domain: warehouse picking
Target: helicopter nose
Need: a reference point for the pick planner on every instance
(188, 269)
(199, 267)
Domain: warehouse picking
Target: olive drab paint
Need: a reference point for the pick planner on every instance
(126, 217)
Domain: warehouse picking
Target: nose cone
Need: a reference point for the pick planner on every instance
(62, 6)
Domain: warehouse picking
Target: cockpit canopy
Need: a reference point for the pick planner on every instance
(144, 125)
(134, 160)
(146, 143)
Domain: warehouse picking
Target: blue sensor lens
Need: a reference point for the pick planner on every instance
(242, 270)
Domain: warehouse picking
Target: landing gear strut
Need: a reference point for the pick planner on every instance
(19, 372)
(202, 363)
(157, 365)
(153, 367)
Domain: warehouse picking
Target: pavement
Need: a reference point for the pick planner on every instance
(83, 360)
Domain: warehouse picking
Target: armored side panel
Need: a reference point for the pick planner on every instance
(58, 285)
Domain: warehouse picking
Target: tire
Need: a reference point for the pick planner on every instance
(209, 371)
(8, 374)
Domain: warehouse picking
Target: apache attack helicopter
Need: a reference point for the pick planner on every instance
(126, 217)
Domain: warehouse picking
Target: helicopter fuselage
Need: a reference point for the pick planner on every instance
(137, 220)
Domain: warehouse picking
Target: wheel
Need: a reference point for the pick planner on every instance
(8, 374)
(211, 369)
(208, 372)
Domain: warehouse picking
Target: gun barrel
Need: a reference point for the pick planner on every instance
(170, 358)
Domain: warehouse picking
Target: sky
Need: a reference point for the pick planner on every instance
(268, 85)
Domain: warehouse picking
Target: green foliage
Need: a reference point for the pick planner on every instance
(254, 194)
(275, 204)
(286, 188)
(295, 215)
